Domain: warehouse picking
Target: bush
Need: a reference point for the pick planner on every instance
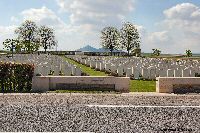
(84, 74)
(197, 75)
(15, 77)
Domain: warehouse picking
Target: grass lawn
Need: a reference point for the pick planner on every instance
(135, 85)
(86, 69)
(142, 86)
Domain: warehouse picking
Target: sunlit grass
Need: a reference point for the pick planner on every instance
(142, 86)
(86, 69)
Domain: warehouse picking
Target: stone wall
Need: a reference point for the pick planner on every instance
(46, 83)
(178, 85)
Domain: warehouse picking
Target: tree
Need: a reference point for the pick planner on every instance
(47, 38)
(110, 38)
(130, 38)
(156, 52)
(28, 35)
(188, 53)
(11, 45)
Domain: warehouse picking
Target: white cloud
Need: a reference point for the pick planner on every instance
(96, 14)
(87, 18)
(181, 11)
(6, 32)
(180, 30)
(185, 16)
(65, 33)
(97, 6)
(43, 16)
(14, 19)
(159, 36)
(160, 40)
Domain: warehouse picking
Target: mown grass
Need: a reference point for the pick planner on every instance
(142, 86)
(135, 85)
(86, 69)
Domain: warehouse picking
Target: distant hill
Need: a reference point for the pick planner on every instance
(89, 48)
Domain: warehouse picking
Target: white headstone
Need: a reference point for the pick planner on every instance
(170, 73)
(145, 73)
(128, 72)
(186, 72)
(177, 73)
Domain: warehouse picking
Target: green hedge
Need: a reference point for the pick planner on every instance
(15, 77)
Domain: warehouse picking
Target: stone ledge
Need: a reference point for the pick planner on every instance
(46, 83)
(168, 84)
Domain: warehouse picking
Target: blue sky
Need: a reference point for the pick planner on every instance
(170, 25)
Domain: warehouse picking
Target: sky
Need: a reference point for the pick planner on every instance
(169, 25)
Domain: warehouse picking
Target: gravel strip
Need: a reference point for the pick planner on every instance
(70, 113)
(101, 99)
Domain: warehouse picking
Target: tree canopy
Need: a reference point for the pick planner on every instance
(11, 45)
(30, 38)
(130, 38)
(110, 38)
(156, 52)
(47, 37)
(188, 53)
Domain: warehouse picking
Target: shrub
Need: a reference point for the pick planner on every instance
(61, 73)
(51, 72)
(84, 74)
(15, 77)
(97, 69)
(114, 74)
(197, 75)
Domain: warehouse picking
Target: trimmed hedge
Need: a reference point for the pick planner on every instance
(15, 77)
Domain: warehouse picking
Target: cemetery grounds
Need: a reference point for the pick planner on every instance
(102, 112)
(135, 85)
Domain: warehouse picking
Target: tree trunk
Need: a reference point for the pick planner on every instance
(128, 52)
(128, 48)
(45, 50)
(12, 51)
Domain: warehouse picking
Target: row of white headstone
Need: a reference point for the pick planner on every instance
(146, 68)
(45, 63)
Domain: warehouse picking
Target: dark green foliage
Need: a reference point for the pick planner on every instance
(188, 53)
(110, 38)
(130, 38)
(197, 75)
(27, 34)
(11, 45)
(51, 72)
(156, 52)
(47, 37)
(30, 37)
(61, 73)
(16, 77)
